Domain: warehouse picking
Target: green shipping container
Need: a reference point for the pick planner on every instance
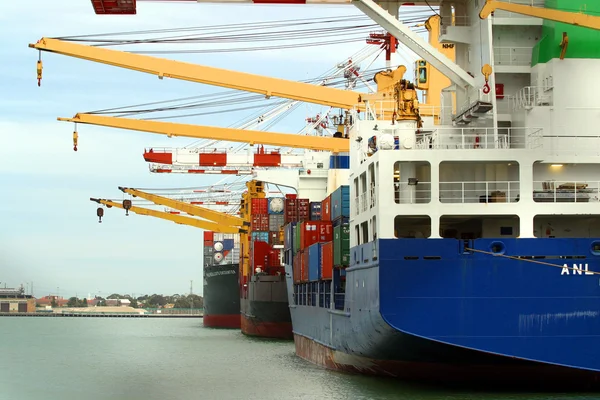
(341, 245)
(297, 237)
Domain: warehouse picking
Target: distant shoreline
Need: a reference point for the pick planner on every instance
(97, 315)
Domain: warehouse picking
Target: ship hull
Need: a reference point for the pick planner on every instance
(265, 312)
(222, 296)
(425, 309)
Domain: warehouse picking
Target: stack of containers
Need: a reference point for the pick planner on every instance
(259, 222)
(276, 221)
(303, 210)
(208, 248)
(336, 208)
(315, 211)
(312, 234)
(291, 209)
(288, 244)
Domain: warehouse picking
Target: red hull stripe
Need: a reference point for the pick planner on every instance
(231, 321)
(274, 330)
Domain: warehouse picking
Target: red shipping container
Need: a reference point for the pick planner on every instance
(260, 256)
(315, 232)
(291, 196)
(259, 206)
(326, 209)
(327, 261)
(209, 236)
(274, 238)
(296, 268)
(304, 268)
(260, 222)
(274, 258)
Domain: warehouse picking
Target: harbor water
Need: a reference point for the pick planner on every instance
(135, 359)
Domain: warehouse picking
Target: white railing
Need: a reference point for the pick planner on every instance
(512, 55)
(412, 194)
(480, 138)
(364, 206)
(566, 192)
(534, 96)
(457, 20)
(506, 105)
(356, 205)
(479, 192)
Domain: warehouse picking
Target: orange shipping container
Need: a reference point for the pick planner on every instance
(296, 268)
(326, 209)
(327, 261)
(304, 264)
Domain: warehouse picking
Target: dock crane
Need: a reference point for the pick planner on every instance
(178, 219)
(218, 221)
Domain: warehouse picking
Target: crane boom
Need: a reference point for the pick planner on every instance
(335, 145)
(178, 219)
(163, 67)
(567, 17)
(219, 218)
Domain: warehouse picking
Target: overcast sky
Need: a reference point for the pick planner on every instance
(49, 234)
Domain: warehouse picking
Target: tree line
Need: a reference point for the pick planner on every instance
(146, 301)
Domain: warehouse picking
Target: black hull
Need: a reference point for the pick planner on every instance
(222, 296)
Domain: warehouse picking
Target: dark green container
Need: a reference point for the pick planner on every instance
(298, 229)
(341, 245)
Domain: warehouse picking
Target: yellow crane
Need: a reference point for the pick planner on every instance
(219, 222)
(395, 98)
(178, 219)
(567, 17)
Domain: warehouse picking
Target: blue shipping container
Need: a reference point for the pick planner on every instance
(314, 262)
(315, 211)
(340, 202)
(260, 237)
(288, 236)
(339, 161)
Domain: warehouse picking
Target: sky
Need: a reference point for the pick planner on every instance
(49, 232)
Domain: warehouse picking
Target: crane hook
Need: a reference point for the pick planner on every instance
(39, 72)
(486, 70)
(127, 206)
(75, 137)
(100, 214)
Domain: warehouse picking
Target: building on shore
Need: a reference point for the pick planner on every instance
(15, 300)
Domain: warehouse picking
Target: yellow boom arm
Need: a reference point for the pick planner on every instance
(335, 145)
(208, 75)
(221, 219)
(178, 219)
(566, 17)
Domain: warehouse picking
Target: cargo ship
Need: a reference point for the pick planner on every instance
(221, 280)
(466, 249)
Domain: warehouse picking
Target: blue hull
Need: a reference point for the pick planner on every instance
(432, 308)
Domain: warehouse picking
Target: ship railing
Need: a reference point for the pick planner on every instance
(356, 205)
(363, 200)
(508, 14)
(534, 96)
(455, 20)
(514, 56)
(479, 138)
(314, 172)
(566, 191)
(480, 192)
(412, 194)
(506, 105)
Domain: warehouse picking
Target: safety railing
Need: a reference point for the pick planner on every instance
(506, 105)
(419, 193)
(356, 205)
(480, 138)
(364, 205)
(512, 56)
(566, 192)
(479, 192)
(534, 96)
(455, 20)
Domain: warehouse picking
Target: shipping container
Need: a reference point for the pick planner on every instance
(327, 261)
(259, 206)
(304, 263)
(276, 205)
(340, 221)
(326, 209)
(291, 210)
(340, 202)
(274, 258)
(303, 209)
(297, 236)
(260, 222)
(260, 256)
(315, 211)
(209, 236)
(288, 236)
(315, 232)
(341, 245)
(297, 268)
(260, 236)
(314, 262)
(276, 221)
(291, 196)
